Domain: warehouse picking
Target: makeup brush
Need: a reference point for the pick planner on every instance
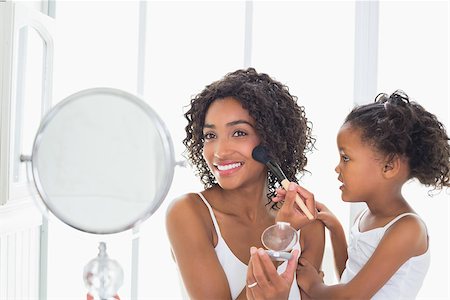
(260, 154)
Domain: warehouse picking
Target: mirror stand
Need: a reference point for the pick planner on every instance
(103, 276)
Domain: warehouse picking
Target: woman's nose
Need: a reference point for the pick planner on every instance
(222, 148)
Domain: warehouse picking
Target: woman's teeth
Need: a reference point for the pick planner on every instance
(228, 167)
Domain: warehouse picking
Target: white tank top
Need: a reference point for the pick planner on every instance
(405, 283)
(235, 270)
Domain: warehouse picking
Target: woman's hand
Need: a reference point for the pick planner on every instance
(263, 280)
(290, 212)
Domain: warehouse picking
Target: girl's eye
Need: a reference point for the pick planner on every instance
(239, 133)
(345, 158)
(209, 135)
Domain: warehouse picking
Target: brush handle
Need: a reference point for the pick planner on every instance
(298, 200)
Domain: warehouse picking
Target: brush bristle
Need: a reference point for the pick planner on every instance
(260, 154)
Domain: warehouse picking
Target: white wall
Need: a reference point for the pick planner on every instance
(414, 56)
(307, 45)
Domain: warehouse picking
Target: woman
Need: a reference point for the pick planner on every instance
(212, 232)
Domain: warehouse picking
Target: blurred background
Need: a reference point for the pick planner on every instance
(331, 54)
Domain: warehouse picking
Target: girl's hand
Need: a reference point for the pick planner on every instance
(263, 280)
(327, 217)
(290, 212)
(307, 275)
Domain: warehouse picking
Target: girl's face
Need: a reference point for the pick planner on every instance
(229, 139)
(360, 166)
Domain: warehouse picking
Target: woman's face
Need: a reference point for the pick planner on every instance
(229, 139)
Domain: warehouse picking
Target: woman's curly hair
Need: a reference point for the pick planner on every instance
(394, 125)
(279, 121)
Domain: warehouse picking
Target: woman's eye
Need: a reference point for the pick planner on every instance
(209, 135)
(239, 133)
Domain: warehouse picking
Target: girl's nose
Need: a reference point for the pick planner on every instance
(336, 169)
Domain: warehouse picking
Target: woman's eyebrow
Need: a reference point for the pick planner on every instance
(237, 122)
(232, 123)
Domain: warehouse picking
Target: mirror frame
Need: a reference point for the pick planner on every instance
(160, 127)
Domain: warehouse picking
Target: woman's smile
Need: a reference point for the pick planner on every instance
(225, 169)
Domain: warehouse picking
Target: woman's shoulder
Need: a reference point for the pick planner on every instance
(188, 216)
(185, 204)
(188, 207)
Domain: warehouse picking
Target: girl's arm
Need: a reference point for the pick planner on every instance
(188, 227)
(404, 239)
(290, 213)
(312, 236)
(261, 269)
(312, 242)
(337, 237)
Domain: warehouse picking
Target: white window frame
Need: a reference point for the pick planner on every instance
(366, 63)
(17, 208)
(17, 16)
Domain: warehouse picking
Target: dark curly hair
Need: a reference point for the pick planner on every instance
(279, 121)
(394, 125)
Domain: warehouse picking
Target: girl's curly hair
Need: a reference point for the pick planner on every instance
(394, 125)
(279, 121)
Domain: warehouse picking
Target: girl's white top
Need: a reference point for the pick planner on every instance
(405, 283)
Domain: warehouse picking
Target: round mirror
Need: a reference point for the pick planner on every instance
(102, 161)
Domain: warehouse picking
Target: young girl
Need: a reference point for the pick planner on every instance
(211, 232)
(382, 145)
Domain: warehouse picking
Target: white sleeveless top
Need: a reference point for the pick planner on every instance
(235, 270)
(405, 283)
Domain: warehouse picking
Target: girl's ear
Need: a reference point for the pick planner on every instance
(392, 166)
